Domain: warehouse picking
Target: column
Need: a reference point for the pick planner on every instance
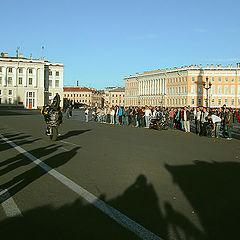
(160, 87)
(53, 79)
(34, 77)
(24, 77)
(4, 76)
(14, 76)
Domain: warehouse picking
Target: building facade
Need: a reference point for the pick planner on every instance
(29, 83)
(84, 96)
(114, 96)
(186, 86)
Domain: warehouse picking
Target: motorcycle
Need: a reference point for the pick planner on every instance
(53, 120)
(159, 124)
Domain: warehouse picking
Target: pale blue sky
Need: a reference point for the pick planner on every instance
(101, 42)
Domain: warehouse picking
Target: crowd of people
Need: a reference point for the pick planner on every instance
(203, 121)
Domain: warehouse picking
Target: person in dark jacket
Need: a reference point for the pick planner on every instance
(228, 122)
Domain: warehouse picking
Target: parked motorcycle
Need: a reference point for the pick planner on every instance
(159, 124)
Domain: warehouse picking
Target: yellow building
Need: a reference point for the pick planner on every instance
(186, 86)
(83, 95)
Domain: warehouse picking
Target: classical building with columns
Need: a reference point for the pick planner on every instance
(29, 83)
(187, 86)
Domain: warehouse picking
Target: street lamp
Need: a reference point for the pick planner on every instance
(207, 85)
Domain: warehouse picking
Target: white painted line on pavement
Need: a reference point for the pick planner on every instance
(70, 143)
(117, 216)
(9, 206)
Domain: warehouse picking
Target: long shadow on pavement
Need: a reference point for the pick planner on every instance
(23, 180)
(72, 133)
(212, 188)
(80, 220)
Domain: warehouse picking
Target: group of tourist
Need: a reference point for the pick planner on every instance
(204, 121)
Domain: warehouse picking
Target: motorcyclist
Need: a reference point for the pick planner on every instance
(53, 108)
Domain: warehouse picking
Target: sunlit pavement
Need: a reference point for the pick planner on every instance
(174, 185)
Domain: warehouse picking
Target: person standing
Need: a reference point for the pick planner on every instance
(204, 122)
(148, 114)
(86, 114)
(186, 120)
(228, 122)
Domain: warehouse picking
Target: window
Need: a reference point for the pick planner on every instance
(116, 101)
(57, 74)
(57, 83)
(232, 102)
(192, 101)
(219, 89)
(238, 79)
(213, 101)
(238, 101)
(50, 73)
(10, 70)
(0, 69)
(199, 79)
(213, 89)
(50, 94)
(233, 79)
(20, 80)
(112, 101)
(213, 79)
(50, 83)
(0, 92)
(9, 80)
(0, 101)
(232, 90)
(219, 79)
(226, 101)
(9, 100)
(226, 90)
(193, 79)
(226, 79)
(20, 70)
(219, 101)
(199, 101)
(30, 81)
(238, 90)
(192, 89)
(0, 80)
(30, 71)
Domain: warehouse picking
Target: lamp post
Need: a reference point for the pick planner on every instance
(207, 85)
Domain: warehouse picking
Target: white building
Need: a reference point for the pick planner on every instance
(30, 83)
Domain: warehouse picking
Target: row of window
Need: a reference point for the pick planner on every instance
(227, 89)
(77, 95)
(212, 79)
(10, 101)
(117, 95)
(30, 71)
(116, 101)
(30, 81)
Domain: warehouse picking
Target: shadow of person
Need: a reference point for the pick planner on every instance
(140, 203)
(72, 133)
(81, 220)
(21, 181)
(212, 190)
(20, 160)
(180, 226)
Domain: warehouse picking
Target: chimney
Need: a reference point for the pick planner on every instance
(77, 83)
(238, 65)
(4, 54)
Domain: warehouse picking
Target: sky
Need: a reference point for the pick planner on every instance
(101, 42)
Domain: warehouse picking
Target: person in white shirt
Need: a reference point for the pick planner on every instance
(112, 114)
(148, 114)
(216, 124)
(86, 114)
